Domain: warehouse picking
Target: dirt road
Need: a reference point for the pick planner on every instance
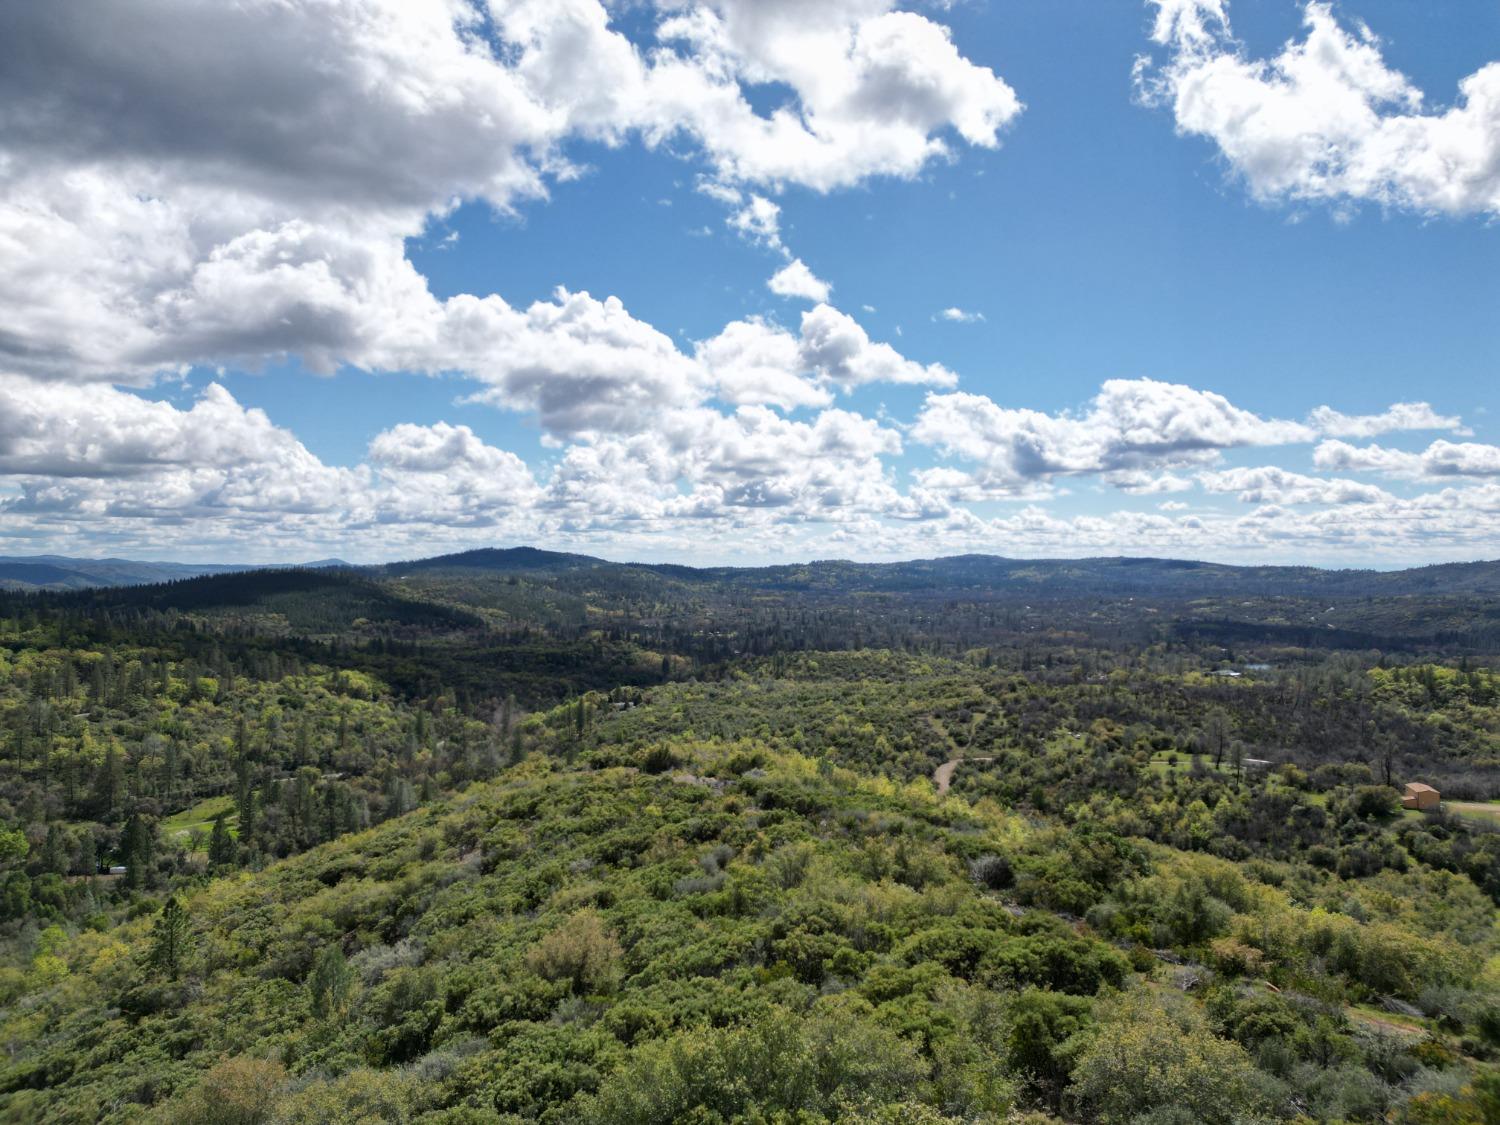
(942, 777)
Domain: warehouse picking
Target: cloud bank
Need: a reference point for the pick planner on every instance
(188, 185)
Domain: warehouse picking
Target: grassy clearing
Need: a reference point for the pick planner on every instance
(1484, 810)
(199, 816)
(1162, 764)
(1387, 1023)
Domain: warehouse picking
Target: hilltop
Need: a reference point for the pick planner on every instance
(1040, 577)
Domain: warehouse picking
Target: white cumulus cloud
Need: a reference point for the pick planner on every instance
(795, 279)
(189, 183)
(1327, 118)
(1271, 484)
(1400, 416)
(1440, 459)
(1132, 425)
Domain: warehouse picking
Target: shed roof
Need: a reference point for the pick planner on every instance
(1419, 787)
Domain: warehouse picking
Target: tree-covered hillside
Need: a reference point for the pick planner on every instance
(744, 934)
(562, 843)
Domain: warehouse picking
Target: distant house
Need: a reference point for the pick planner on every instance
(117, 870)
(1256, 763)
(1227, 673)
(1420, 796)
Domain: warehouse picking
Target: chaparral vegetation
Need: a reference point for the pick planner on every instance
(523, 837)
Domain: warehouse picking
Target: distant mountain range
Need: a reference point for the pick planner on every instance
(1035, 577)
(958, 573)
(58, 572)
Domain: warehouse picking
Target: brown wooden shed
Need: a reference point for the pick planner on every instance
(1420, 796)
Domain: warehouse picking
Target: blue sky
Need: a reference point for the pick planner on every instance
(1261, 214)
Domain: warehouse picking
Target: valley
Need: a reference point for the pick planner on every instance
(534, 837)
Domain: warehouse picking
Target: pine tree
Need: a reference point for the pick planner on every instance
(137, 849)
(109, 782)
(55, 852)
(222, 850)
(244, 798)
(88, 854)
(170, 938)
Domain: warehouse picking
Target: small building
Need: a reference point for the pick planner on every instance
(1256, 763)
(1420, 796)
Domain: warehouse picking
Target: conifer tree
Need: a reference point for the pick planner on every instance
(221, 846)
(170, 937)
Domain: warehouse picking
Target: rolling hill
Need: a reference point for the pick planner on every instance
(60, 572)
(1041, 577)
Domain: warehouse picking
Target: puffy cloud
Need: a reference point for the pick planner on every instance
(837, 349)
(106, 456)
(758, 219)
(874, 89)
(1440, 459)
(1426, 527)
(367, 104)
(1400, 416)
(195, 183)
(445, 475)
(104, 452)
(1327, 118)
(579, 363)
(956, 486)
(752, 466)
(110, 468)
(58, 430)
(1461, 459)
(185, 184)
(120, 463)
(755, 362)
(442, 448)
(415, 101)
(1131, 426)
(795, 280)
(959, 316)
(1273, 485)
(1139, 482)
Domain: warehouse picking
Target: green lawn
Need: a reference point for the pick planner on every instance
(1161, 765)
(1488, 810)
(180, 825)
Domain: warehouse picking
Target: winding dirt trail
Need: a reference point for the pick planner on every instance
(942, 777)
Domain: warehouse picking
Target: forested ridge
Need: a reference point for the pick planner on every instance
(527, 837)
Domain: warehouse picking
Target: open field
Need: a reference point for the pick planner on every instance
(180, 825)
